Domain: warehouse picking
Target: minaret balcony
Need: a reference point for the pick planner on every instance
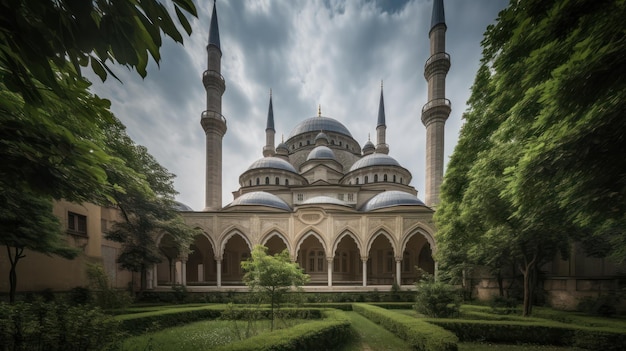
(213, 78)
(213, 120)
(439, 62)
(436, 109)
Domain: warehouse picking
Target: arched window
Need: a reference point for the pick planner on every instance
(357, 181)
(401, 182)
(250, 182)
(366, 180)
(375, 178)
(258, 182)
(277, 181)
(332, 142)
(300, 144)
(340, 143)
(308, 142)
(384, 178)
(267, 180)
(286, 181)
(394, 178)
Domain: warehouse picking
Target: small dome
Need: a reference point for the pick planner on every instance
(321, 137)
(260, 198)
(391, 198)
(374, 160)
(324, 200)
(181, 207)
(283, 147)
(321, 153)
(272, 162)
(369, 146)
(314, 124)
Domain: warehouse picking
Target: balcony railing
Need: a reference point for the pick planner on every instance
(213, 115)
(437, 56)
(437, 103)
(211, 73)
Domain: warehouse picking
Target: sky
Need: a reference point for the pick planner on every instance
(309, 53)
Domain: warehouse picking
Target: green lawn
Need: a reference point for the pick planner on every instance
(202, 335)
(371, 336)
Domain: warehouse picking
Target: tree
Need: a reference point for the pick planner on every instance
(272, 276)
(540, 158)
(27, 222)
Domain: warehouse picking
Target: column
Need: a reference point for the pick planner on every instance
(364, 262)
(218, 264)
(183, 271)
(329, 262)
(155, 276)
(398, 270)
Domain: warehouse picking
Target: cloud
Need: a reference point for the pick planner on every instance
(329, 52)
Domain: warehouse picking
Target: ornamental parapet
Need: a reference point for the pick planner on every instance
(439, 62)
(436, 109)
(213, 120)
(213, 78)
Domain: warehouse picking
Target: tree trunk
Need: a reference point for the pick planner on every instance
(528, 272)
(500, 283)
(13, 259)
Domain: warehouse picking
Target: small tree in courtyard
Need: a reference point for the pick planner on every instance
(272, 276)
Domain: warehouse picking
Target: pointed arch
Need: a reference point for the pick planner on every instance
(347, 232)
(230, 235)
(274, 232)
(419, 229)
(304, 235)
(381, 230)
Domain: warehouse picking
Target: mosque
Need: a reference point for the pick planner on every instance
(345, 212)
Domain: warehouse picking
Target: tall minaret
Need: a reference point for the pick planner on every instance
(381, 127)
(437, 109)
(213, 123)
(270, 132)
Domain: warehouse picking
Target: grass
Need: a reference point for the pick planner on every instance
(371, 336)
(476, 346)
(203, 335)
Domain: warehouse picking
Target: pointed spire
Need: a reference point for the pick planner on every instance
(381, 108)
(270, 115)
(438, 16)
(214, 31)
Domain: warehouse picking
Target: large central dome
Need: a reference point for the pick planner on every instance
(317, 124)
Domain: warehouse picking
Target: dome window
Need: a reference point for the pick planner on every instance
(286, 181)
(267, 180)
(384, 178)
(375, 178)
(357, 181)
(394, 178)
(258, 181)
(366, 179)
(277, 181)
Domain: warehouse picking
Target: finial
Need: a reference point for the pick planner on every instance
(381, 84)
(319, 110)
(282, 138)
(270, 93)
(368, 137)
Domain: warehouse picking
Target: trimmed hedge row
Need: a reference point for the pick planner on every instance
(420, 334)
(139, 323)
(326, 334)
(545, 333)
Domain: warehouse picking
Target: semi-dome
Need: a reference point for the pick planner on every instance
(391, 198)
(321, 136)
(273, 162)
(282, 146)
(321, 153)
(260, 198)
(324, 200)
(315, 124)
(374, 160)
(181, 207)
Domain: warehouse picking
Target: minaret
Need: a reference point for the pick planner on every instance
(270, 132)
(381, 127)
(213, 123)
(437, 109)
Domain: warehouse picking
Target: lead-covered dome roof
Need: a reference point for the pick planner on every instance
(316, 124)
(260, 198)
(391, 198)
(374, 160)
(321, 153)
(272, 162)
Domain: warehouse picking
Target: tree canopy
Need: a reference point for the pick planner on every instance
(539, 162)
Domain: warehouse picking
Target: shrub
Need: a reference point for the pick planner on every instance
(138, 323)
(436, 299)
(52, 326)
(503, 305)
(604, 305)
(105, 296)
(79, 296)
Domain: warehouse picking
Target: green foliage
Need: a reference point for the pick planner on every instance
(106, 297)
(604, 305)
(503, 305)
(418, 333)
(436, 299)
(51, 326)
(138, 323)
(80, 296)
(272, 276)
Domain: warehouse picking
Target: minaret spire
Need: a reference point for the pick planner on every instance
(270, 132)
(438, 108)
(213, 123)
(381, 126)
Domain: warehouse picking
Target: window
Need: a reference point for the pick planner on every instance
(250, 182)
(384, 178)
(394, 178)
(300, 197)
(340, 143)
(366, 179)
(401, 182)
(350, 197)
(76, 224)
(308, 142)
(267, 180)
(277, 181)
(258, 181)
(340, 197)
(357, 181)
(316, 261)
(286, 181)
(332, 142)
(375, 178)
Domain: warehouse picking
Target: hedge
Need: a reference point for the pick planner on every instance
(138, 323)
(326, 334)
(418, 333)
(546, 333)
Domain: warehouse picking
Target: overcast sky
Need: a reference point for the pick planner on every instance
(329, 52)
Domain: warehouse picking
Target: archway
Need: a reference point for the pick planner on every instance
(201, 266)
(416, 254)
(381, 263)
(167, 273)
(275, 244)
(347, 268)
(312, 258)
(236, 249)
